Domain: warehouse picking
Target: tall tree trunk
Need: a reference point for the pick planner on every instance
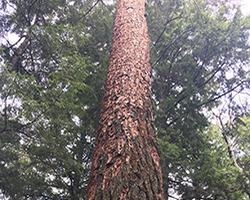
(126, 162)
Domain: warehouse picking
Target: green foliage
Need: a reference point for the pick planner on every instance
(51, 98)
(198, 53)
(51, 83)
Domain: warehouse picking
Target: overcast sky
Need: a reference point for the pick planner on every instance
(245, 6)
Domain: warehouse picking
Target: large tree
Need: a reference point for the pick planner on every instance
(52, 79)
(126, 162)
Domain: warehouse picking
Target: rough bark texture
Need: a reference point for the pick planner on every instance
(126, 162)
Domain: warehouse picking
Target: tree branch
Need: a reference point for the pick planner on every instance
(88, 10)
(168, 21)
(169, 45)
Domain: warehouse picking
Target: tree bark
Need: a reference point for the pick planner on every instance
(126, 161)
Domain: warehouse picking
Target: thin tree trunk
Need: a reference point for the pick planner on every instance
(231, 154)
(18, 53)
(235, 163)
(126, 162)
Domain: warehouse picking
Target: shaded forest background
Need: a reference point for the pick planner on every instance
(51, 83)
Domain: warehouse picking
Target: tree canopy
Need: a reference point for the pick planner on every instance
(54, 58)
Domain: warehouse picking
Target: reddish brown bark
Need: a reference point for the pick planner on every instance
(126, 162)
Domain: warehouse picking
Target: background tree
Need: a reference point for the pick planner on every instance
(51, 100)
(198, 53)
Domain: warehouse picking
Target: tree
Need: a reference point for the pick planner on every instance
(235, 138)
(126, 162)
(51, 99)
(198, 50)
